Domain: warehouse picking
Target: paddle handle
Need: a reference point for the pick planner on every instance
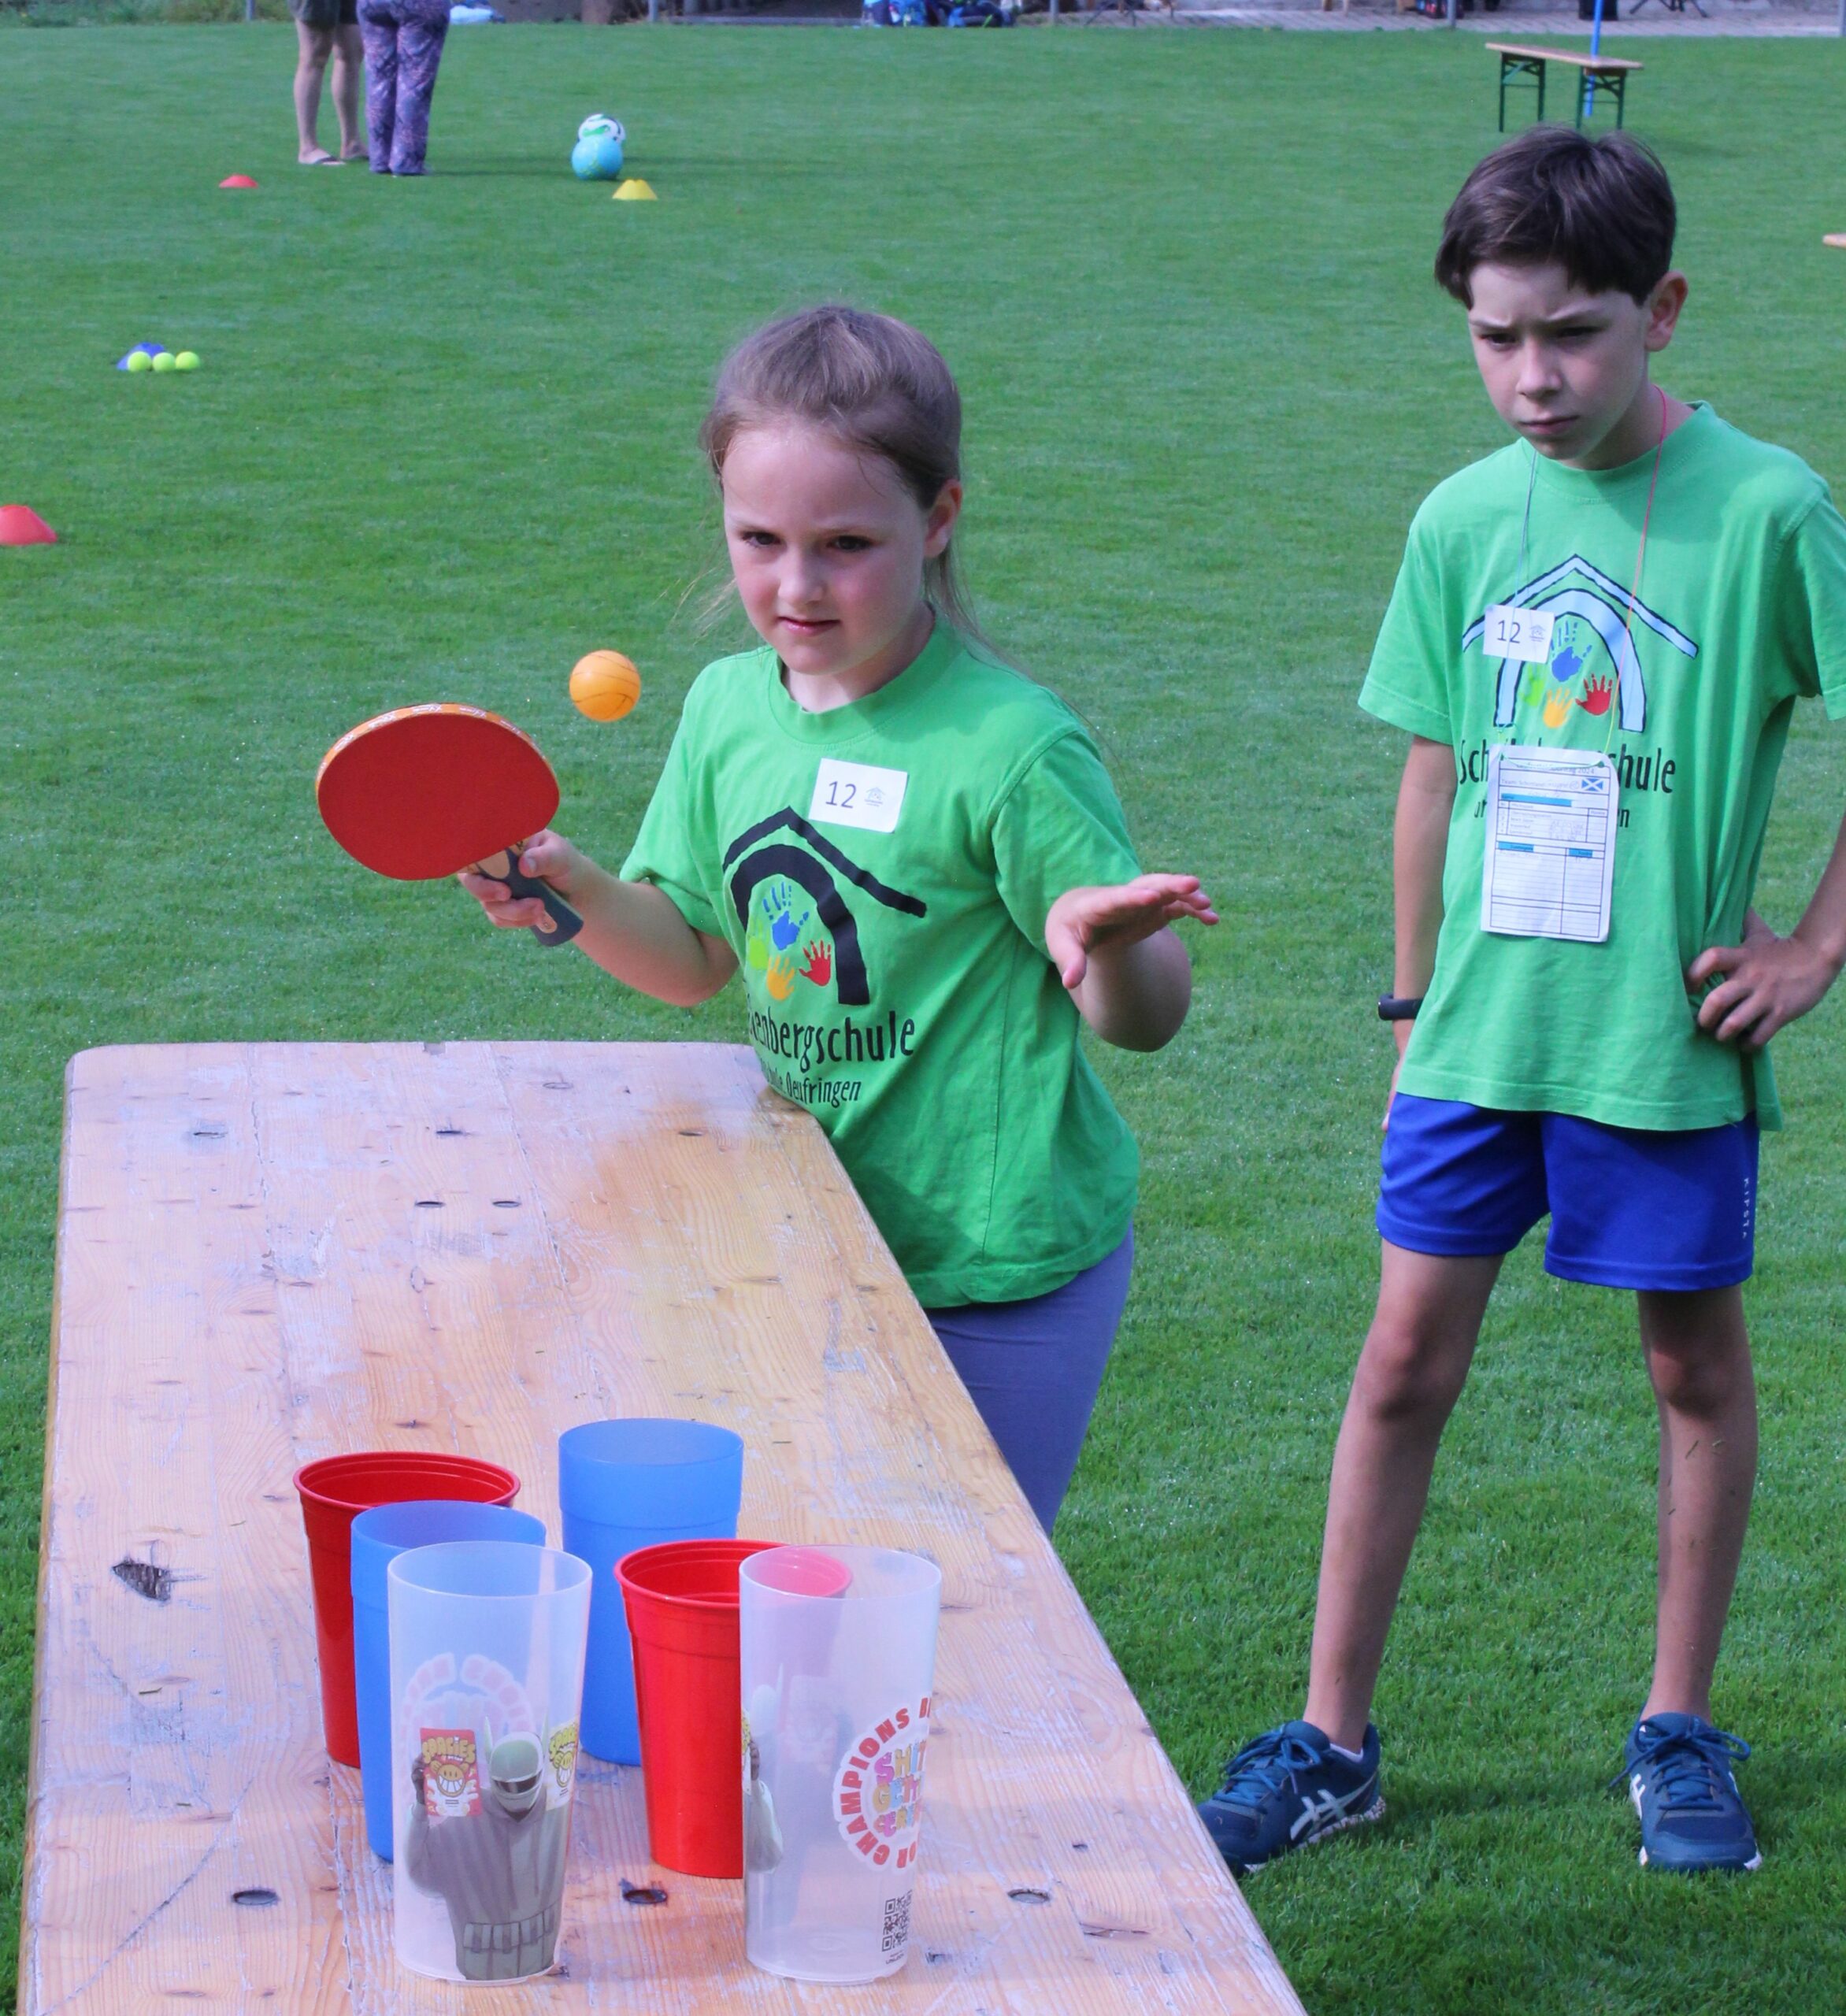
(565, 923)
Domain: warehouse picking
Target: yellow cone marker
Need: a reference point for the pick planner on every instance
(634, 191)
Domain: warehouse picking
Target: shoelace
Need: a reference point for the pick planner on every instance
(1693, 1765)
(1265, 1766)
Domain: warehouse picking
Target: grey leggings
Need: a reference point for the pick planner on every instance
(1034, 1367)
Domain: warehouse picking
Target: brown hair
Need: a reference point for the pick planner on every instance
(1602, 208)
(872, 381)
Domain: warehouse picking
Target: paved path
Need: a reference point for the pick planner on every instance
(1727, 17)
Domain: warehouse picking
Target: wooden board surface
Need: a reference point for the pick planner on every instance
(1579, 58)
(271, 1253)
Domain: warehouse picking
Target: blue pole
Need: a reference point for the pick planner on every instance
(1596, 49)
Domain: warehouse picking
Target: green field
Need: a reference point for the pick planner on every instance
(442, 442)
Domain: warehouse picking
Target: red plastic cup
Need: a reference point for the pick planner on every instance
(334, 1491)
(681, 1598)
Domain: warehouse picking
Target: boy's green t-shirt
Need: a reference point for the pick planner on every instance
(883, 872)
(1741, 610)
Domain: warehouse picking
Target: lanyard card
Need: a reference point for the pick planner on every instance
(1550, 857)
(1508, 631)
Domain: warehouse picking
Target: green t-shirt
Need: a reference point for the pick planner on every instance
(1741, 610)
(883, 872)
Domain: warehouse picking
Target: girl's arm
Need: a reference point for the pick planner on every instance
(1128, 974)
(1425, 798)
(631, 929)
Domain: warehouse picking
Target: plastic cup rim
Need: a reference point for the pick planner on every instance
(852, 1593)
(490, 1595)
(433, 1463)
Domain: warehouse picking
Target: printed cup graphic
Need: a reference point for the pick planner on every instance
(837, 1659)
(682, 1605)
(333, 1491)
(379, 1537)
(624, 1485)
(486, 1675)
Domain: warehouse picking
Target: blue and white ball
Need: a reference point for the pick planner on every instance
(597, 156)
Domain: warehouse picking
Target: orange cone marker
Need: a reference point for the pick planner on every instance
(238, 181)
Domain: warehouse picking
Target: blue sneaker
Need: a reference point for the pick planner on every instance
(1680, 1778)
(1287, 1789)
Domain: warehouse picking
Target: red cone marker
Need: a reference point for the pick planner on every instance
(238, 181)
(20, 525)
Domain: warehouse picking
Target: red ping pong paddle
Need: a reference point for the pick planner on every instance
(427, 791)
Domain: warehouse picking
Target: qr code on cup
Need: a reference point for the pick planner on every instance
(897, 1922)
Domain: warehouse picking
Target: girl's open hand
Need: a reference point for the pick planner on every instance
(548, 856)
(1767, 982)
(1084, 921)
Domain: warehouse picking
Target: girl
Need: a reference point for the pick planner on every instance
(915, 857)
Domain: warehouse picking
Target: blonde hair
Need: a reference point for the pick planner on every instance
(877, 384)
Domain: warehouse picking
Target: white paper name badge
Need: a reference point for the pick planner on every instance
(1523, 634)
(858, 794)
(1550, 858)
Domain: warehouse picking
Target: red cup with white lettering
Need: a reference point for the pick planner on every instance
(837, 1662)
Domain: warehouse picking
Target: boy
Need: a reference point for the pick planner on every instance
(1595, 642)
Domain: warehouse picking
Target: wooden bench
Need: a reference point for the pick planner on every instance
(1518, 60)
(268, 1252)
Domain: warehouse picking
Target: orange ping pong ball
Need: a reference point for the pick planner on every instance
(604, 685)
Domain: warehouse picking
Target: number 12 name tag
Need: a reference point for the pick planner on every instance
(858, 794)
(1523, 634)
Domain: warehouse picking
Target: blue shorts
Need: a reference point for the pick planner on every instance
(1629, 1208)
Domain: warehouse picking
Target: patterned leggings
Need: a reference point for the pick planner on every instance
(403, 45)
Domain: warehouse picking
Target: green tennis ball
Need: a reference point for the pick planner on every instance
(163, 360)
(141, 362)
(187, 360)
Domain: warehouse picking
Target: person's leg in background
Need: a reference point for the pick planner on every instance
(378, 30)
(314, 46)
(1034, 1367)
(349, 56)
(419, 50)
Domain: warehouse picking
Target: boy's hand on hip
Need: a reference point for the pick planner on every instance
(1083, 922)
(1764, 983)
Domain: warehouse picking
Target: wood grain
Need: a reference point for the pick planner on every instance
(272, 1253)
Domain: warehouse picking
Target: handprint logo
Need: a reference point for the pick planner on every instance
(777, 902)
(1568, 661)
(1558, 704)
(780, 979)
(1531, 685)
(1597, 695)
(819, 965)
(756, 943)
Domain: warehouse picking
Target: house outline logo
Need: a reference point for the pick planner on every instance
(1604, 605)
(756, 865)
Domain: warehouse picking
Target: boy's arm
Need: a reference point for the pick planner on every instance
(1768, 981)
(631, 929)
(1425, 798)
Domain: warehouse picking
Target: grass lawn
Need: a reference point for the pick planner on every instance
(442, 443)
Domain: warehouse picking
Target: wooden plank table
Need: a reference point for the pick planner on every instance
(274, 1252)
(1521, 60)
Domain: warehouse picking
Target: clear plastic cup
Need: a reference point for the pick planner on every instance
(379, 1537)
(623, 1485)
(486, 1675)
(837, 1651)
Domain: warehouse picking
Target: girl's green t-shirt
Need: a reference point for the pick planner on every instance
(883, 872)
(1741, 610)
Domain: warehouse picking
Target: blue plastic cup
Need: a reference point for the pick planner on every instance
(379, 1537)
(624, 1484)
